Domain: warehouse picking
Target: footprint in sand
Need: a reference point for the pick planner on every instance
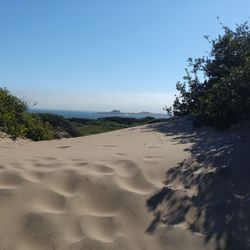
(100, 228)
(33, 176)
(36, 233)
(2, 167)
(95, 198)
(62, 147)
(49, 202)
(126, 168)
(120, 154)
(108, 146)
(103, 169)
(131, 178)
(152, 158)
(48, 165)
(154, 147)
(5, 196)
(63, 182)
(10, 180)
(99, 169)
(50, 158)
(81, 164)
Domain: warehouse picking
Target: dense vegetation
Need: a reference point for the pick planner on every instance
(216, 88)
(61, 126)
(17, 122)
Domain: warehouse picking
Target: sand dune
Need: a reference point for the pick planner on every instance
(89, 192)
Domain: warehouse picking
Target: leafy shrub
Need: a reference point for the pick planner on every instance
(58, 123)
(222, 97)
(38, 130)
(80, 120)
(17, 122)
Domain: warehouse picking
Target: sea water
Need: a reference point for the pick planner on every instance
(96, 115)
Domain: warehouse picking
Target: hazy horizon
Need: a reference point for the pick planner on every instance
(97, 55)
(35, 109)
(104, 101)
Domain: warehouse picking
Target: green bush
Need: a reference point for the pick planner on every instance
(216, 91)
(17, 122)
(38, 130)
(58, 124)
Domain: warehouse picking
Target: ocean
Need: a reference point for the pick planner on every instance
(96, 115)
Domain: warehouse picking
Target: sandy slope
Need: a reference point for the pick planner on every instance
(89, 192)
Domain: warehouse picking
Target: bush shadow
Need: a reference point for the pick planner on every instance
(209, 193)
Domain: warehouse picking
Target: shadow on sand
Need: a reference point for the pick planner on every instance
(208, 193)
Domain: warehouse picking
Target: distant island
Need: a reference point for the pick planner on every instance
(116, 111)
(143, 113)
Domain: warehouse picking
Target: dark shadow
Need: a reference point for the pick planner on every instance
(209, 192)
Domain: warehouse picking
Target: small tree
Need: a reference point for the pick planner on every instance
(17, 122)
(222, 97)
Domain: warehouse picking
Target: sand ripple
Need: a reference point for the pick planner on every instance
(83, 193)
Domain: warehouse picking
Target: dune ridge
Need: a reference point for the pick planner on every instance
(88, 192)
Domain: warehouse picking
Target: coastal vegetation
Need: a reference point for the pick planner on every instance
(208, 192)
(72, 127)
(17, 121)
(216, 87)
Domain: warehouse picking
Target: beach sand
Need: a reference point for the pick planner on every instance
(92, 192)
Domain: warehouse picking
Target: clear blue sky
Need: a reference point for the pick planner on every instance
(100, 55)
